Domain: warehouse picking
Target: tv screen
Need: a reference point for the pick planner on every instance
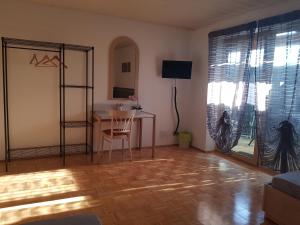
(176, 69)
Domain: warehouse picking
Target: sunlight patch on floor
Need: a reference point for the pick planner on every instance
(18, 213)
(33, 187)
(40, 192)
(36, 185)
(187, 187)
(151, 186)
(40, 204)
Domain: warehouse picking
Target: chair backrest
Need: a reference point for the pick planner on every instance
(121, 121)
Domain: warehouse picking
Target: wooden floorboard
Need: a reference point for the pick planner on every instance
(178, 187)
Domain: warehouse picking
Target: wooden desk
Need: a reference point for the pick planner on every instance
(102, 116)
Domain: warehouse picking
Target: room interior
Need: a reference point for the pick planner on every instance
(98, 128)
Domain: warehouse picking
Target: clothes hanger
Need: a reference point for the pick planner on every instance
(34, 60)
(56, 58)
(46, 62)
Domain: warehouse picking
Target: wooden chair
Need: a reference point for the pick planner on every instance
(120, 128)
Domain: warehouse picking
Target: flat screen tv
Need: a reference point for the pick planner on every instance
(176, 69)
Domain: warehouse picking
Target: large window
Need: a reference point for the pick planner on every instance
(254, 88)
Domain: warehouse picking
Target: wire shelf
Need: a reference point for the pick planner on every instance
(75, 124)
(77, 86)
(46, 151)
(21, 42)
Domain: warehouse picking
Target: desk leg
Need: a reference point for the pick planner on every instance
(140, 133)
(153, 136)
(98, 134)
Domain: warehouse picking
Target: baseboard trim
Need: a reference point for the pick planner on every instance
(201, 150)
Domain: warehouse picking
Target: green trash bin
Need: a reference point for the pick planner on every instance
(185, 139)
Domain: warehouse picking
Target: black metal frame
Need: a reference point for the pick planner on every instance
(60, 48)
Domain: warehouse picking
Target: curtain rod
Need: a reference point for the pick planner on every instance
(282, 18)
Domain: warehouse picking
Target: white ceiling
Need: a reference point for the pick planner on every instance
(189, 14)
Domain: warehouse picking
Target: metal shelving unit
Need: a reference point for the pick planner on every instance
(88, 87)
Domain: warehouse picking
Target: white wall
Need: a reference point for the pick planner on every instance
(198, 91)
(155, 42)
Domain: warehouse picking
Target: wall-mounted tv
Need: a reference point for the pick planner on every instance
(176, 69)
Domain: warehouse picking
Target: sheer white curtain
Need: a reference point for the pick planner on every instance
(228, 87)
(278, 91)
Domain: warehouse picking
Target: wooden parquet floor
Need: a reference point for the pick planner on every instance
(178, 187)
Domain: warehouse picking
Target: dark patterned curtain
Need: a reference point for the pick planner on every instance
(228, 83)
(278, 91)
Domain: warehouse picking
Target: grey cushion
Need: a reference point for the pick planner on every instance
(71, 220)
(288, 183)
